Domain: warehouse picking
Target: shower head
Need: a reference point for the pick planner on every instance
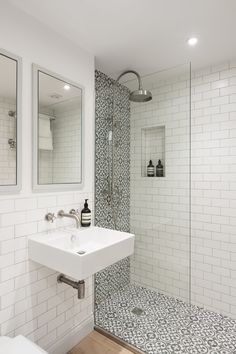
(140, 95)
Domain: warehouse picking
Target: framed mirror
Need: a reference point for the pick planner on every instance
(10, 122)
(57, 131)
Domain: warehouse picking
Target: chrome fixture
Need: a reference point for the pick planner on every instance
(137, 311)
(12, 114)
(140, 95)
(12, 143)
(50, 217)
(78, 285)
(72, 214)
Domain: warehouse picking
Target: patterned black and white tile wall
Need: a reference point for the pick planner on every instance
(112, 208)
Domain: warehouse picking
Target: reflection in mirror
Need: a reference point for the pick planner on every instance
(8, 121)
(59, 131)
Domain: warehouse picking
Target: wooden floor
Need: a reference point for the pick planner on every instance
(96, 343)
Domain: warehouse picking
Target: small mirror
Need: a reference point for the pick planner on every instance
(10, 73)
(58, 132)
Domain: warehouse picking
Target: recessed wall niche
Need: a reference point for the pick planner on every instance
(153, 147)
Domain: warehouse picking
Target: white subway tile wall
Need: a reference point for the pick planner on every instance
(45, 164)
(67, 141)
(160, 207)
(214, 190)
(63, 163)
(32, 303)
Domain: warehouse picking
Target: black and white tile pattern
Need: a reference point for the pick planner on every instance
(111, 279)
(165, 325)
(112, 115)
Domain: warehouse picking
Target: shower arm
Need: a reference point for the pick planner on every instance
(111, 180)
(131, 72)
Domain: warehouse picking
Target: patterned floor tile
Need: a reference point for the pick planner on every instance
(165, 325)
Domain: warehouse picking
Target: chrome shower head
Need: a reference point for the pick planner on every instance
(140, 95)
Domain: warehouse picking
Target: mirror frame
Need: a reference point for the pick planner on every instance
(57, 187)
(11, 189)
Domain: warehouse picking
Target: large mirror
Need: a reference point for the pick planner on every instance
(10, 122)
(58, 113)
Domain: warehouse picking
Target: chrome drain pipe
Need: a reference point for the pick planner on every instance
(78, 285)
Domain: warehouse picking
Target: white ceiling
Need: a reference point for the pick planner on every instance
(51, 90)
(8, 77)
(147, 35)
(48, 86)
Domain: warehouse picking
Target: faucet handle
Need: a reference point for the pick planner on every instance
(60, 213)
(73, 211)
(50, 217)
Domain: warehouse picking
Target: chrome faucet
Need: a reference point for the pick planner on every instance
(72, 214)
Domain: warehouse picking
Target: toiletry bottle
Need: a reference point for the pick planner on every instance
(150, 169)
(159, 169)
(86, 215)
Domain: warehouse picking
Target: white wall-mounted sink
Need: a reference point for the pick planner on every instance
(80, 253)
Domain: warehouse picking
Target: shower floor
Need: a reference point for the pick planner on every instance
(158, 324)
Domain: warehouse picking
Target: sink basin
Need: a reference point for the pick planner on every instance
(79, 253)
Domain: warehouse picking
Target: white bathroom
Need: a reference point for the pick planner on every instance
(117, 177)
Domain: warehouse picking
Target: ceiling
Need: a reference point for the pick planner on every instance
(51, 90)
(8, 69)
(147, 36)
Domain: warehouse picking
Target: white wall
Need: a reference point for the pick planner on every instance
(45, 173)
(214, 188)
(8, 131)
(62, 164)
(67, 142)
(159, 208)
(32, 303)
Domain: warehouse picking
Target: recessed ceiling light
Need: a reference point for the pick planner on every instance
(66, 87)
(192, 41)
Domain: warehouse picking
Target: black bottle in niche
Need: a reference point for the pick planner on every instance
(159, 169)
(150, 169)
(86, 215)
